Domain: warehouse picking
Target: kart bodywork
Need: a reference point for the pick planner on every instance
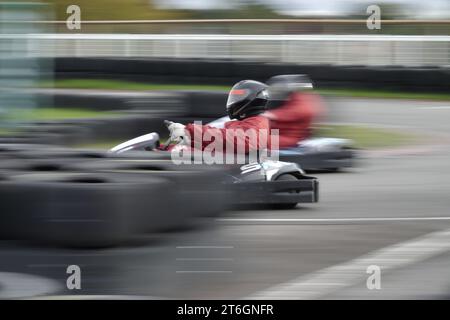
(329, 154)
(275, 183)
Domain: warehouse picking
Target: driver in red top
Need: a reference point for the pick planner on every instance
(293, 108)
(246, 102)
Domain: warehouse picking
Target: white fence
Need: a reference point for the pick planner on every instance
(302, 49)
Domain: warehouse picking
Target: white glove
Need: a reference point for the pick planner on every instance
(178, 133)
(269, 115)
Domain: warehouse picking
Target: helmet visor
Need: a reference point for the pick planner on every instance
(237, 95)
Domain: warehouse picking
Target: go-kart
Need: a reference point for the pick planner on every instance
(277, 184)
(314, 154)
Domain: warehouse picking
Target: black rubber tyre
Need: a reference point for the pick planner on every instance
(199, 188)
(206, 104)
(79, 209)
(8, 220)
(284, 206)
(52, 152)
(28, 138)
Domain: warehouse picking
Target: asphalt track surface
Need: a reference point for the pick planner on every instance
(391, 211)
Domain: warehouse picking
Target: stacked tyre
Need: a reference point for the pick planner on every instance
(198, 189)
(92, 199)
(79, 209)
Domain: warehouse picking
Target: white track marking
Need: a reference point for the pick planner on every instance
(435, 108)
(96, 297)
(22, 285)
(205, 247)
(203, 271)
(328, 280)
(331, 220)
(51, 265)
(204, 259)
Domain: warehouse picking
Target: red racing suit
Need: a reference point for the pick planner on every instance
(249, 134)
(295, 118)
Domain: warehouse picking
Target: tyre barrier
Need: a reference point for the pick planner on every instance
(68, 133)
(137, 117)
(125, 127)
(203, 104)
(199, 187)
(52, 153)
(73, 132)
(227, 72)
(79, 201)
(29, 138)
(161, 102)
(12, 149)
(81, 209)
(17, 154)
(48, 165)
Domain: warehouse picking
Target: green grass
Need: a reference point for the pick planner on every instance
(39, 114)
(4, 132)
(378, 94)
(125, 85)
(101, 145)
(129, 85)
(366, 137)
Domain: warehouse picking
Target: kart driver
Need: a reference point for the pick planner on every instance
(293, 108)
(246, 102)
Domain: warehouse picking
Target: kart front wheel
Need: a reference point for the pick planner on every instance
(283, 206)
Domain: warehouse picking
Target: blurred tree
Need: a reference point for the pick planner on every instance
(114, 10)
(241, 9)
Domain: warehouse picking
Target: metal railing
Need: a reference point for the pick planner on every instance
(301, 49)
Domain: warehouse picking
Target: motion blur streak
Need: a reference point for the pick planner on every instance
(325, 281)
(20, 285)
(86, 178)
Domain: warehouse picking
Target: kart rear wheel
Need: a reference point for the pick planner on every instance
(283, 206)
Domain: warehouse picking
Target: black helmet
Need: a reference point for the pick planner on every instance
(282, 86)
(247, 98)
